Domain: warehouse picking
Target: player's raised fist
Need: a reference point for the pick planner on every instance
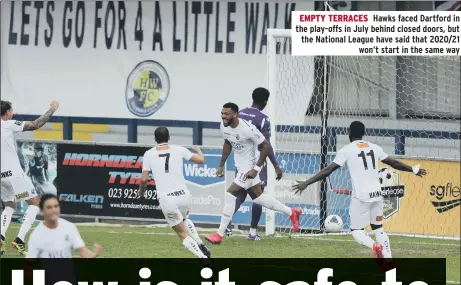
(54, 104)
(196, 149)
(220, 171)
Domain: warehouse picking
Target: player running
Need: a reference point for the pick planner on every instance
(16, 185)
(366, 206)
(255, 116)
(56, 237)
(166, 164)
(245, 139)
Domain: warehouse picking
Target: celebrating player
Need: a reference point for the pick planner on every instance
(366, 206)
(166, 164)
(16, 185)
(245, 139)
(56, 237)
(255, 116)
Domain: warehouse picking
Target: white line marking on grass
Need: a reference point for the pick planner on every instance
(298, 237)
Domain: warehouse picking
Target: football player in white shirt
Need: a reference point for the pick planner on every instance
(245, 139)
(56, 237)
(166, 163)
(16, 185)
(366, 206)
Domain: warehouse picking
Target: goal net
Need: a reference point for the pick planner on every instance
(409, 105)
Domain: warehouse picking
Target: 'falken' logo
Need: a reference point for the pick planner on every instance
(447, 197)
(203, 175)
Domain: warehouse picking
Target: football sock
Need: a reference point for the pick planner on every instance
(361, 237)
(192, 231)
(192, 246)
(7, 214)
(256, 212)
(383, 239)
(238, 202)
(270, 202)
(28, 221)
(227, 212)
(252, 231)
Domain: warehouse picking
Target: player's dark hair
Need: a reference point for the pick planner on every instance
(6, 106)
(45, 197)
(260, 95)
(162, 135)
(356, 130)
(231, 106)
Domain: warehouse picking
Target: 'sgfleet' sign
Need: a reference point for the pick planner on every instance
(203, 175)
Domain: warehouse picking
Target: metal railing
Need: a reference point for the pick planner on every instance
(197, 129)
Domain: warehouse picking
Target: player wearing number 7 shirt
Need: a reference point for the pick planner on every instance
(245, 140)
(165, 161)
(366, 206)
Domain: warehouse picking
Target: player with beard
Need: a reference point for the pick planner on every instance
(256, 117)
(243, 137)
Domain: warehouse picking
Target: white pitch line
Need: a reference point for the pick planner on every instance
(298, 237)
(244, 235)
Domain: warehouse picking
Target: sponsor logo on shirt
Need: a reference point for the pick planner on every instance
(392, 192)
(6, 174)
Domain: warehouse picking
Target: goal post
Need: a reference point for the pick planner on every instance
(410, 107)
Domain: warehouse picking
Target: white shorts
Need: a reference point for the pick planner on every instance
(175, 208)
(246, 183)
(18, 188)
(363, 214)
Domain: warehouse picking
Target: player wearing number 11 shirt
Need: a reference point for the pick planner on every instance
(366, 206)
(165, 161)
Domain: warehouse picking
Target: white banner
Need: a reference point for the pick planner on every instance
(175, 60)
(389, 33)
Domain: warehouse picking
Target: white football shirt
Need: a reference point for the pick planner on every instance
(245, 139)
(362, 161)
(11, 167)
(166, 164)
(54, 243)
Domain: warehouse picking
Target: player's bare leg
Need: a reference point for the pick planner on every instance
(27, 223)
(228, 211)
(188, 241)
(259, 197)
(7, 215)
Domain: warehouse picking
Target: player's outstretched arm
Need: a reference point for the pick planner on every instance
(322, 174)
(226, 150)
(43, 119)
(396, 164)
(198, 158)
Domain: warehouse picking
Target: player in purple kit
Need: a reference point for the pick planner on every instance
(255, 116)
